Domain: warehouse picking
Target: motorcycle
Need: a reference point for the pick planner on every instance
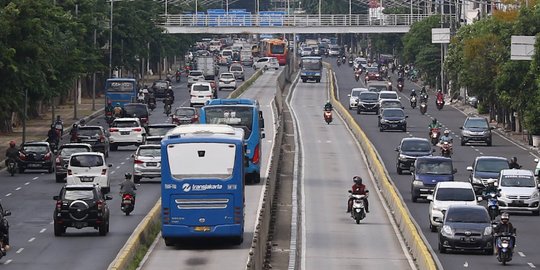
(357, 76)
(109, 118)
(413, 102)
(505, 246)
(128, 203)
(434, 134)
(389, 86)
(11, 166)
(178, 76)
(440, 104)
(350, 63)
(344, 59)
(400, 86)
(3, 250)
(493, 205)
(357, 212)
(53, 144)
(338, 62)
(328, 116)
(152, 105)
(167, 109)
(446, 149)
(423, 107)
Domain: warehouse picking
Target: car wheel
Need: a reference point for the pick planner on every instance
(405, 129)
(536, 213)
(137, 178)
(399, 170)
(358, 112)
(462, 142)
(304, 80)
(106, 190)
(318, 80)
(238, 240)
(381, 129)
(169, 242)
(277, 68)
(489, 143)
(59, 229)
(413, 198)
(432, 228)
(103, 229)
(50, 170)
(441, 248)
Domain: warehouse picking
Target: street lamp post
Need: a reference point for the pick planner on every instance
(25, 114)
(320, 5)
(110, 38)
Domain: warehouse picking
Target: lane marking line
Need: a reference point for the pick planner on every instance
(35, 178)
(9, 194)
(531, 265)
(42, 230)
(19, 188)
(521, 254)
(113, 172)
(31, 239)
(52, 222)
(8, 262)
(117, 167)
(122, 163)
(27, 183)
(19, 250)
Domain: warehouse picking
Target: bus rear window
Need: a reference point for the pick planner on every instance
(201, 160)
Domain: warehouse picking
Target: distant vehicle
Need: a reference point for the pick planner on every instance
(147, 162)
(138, 110)
(238, 71)
(485, 168)
(266, 63)
(354, 97)
(89, 168)
(185, 115)
(275, 48)
(445, 195)
(64, 154)
(194, 76)
(368, 102)
(377, 86)
(389, 103)
(427, 172)
(202, 176)
(126, 131)
(311, 68)
(121, 90)
(81, 206)
(200, 93)
(388, 95)
(226, 80)
(156, 132)
(409, 150)
(35, 156)
(225, 57)
(476, 129)
(372, 73)
(334, 50)
(207, 66)
(393, 119)
(215, 46)
(159, 88)
(246, 57)
(96, 136)
(305, 51)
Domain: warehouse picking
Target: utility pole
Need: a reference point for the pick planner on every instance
(76, 92)
(94, 74)
(25, 114)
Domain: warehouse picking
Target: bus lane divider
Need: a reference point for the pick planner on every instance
(423, 254)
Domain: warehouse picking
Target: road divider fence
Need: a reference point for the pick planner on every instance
(420, 251)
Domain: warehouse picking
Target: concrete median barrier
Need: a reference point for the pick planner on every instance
(421, 252)
(240, 90)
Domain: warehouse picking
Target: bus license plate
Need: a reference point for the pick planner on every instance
(202, 229)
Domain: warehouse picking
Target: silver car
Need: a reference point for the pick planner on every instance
(147, 162)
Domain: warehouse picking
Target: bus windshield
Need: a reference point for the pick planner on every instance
(120, 86)
(311, 64)
(192, 160)
(277, 49)
(239, 116)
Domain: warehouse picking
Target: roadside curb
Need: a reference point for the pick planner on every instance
(66, 130)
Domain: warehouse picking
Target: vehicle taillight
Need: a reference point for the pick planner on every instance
(144, 120)
(47, 156)
(255, 158)
(103, 171)
(137, 129)
(138, 161)
(59, 205)
(238, 215)
(22, 156)
(166, 215)
(69, 172)
(58, 160)
(102, 138)
(113, 130)
(99, 205)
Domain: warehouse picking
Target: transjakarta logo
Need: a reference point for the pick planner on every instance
(189, 187)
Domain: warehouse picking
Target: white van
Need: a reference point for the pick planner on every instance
(200, 93)
(246, 57)
(89, 168)
(519, 191)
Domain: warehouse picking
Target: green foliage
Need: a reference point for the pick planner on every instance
(483, 108)
(418, 37)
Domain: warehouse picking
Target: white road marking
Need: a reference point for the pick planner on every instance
(127, 158)
(35, 178)
(27, 183)
(521, 254)
(8, 261)
(19, 188)
(31, 239)
(19, 250)
(117, 167)
(466, 264)
(113, 172)
(52, 222)
(481, 153)
(9, 194)
(531, 265)
(122, 163)
(328, 141)
(42, 230)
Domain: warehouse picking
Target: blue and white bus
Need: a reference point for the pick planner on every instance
(202, 183)
(243, 113)
(121, 90)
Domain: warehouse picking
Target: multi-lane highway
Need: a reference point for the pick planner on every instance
(527, 254)
(29, 196)
(210, 255)
(330, 158)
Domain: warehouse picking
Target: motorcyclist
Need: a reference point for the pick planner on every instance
(423, 94)
(151, 99)
(74, 133)
(118, 111)
(12, 153)
(504, 226)
(4, 231)
(140, 96)
(328, 106)
(128, 187)
(440, 95)
(434, 124)
(358, 189)
(169, 92)
(413, 93)
(446, 137)
(52, 136)
(490, 188)
(167, 101)
(82, 123)
(109, 108)
(514, 164)
(59, 125)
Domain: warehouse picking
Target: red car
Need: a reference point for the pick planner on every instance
(372, 73)
(185, 115)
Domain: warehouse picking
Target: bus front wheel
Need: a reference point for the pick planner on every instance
(254, 178)
(169, 242)
(238, 240)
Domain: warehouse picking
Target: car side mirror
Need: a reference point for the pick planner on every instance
(350, 191)
(460, 127)
(454, 171)
(108, 197)
(538, 186)
(349, 95)
(469, 168)
(7, 213)
(56, 198)
(429, 197)
(406, 116)
(479, 199)
(109, 165)
(263, 135)
(397, 149)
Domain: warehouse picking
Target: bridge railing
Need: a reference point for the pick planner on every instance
(297, 20)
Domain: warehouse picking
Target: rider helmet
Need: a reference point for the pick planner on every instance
(357, 180)
(491, 182)
(505, 217)
(109, 102)
(12, 143)
(118, 104)
(513, 160)
(413, 91)
(446, 132)
(127, 175)
(82, 122)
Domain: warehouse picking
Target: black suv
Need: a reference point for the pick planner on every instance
(409, 149)
(368, 102)
(393, 119)
(36, 155)
(476, 129)
(159, 88)
(81, 206)
(137, 110)
(95, 136)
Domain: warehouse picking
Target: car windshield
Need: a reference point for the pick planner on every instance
(369, 96)
(36, 148)
(235, 68)
(436, 167)
(90, 132)
(307, 49)
(393, 113)
(86, 194)
(68, 151)
(391, 104)
(467, 216)
(195, 73)
(311, 64)
(476, 123)
(227, 76)
(149, 152)
(262, 60)
(158, 130)
(416, 146)
(372, 69)
(125, 124)
(518, 181)
(355, 93)
(184, 112)
(86, 161)
(455, 194)
(377, 88)
(226, 53)
(137, 110)
(161, 84)
(491, 165)
(388, 96)
(200, 87)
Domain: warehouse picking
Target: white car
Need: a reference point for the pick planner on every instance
(226, 80)
(306, 51)
(126, 131)
(194, 76)
(238, 71)
(266, 63)
(449, 193)
(89, 168)
(388, 95)
(353, 97)
(200, 93)
(147, 162)
(519, 191)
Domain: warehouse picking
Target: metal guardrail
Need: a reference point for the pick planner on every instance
(297, 20)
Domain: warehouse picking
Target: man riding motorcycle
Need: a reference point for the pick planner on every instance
(413, 93)
(490, 188)
(128, 187)
(59, 126)
(434, 124)
(52, 136)
(12, 153)
(358, 189)
(423, 94)
(167, 101)
(328, 106)
(118, 111)
(446, 137)
(504, 226)
(109, 108)
(514, 164)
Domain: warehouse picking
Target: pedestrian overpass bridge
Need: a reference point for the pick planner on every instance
(287, 24)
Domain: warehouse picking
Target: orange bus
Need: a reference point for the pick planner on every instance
(275, 48)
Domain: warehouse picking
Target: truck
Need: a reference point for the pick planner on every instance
(208, 66)
(311, 68)
(246, 57)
